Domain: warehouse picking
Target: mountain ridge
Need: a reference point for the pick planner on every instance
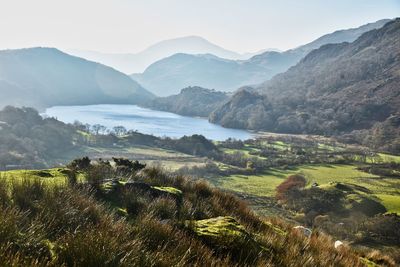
(166, 76)
(137, 62)
(47, 76)
(334, 89)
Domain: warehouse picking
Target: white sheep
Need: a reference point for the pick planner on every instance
(338, 244)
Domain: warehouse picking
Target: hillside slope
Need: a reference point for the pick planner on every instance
(145, 217)
(42, 77)
(167, 76)
(191, 101)
(336, 88)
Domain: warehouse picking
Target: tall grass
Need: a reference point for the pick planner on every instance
(78, 226)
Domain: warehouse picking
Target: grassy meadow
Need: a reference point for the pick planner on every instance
(264, 185)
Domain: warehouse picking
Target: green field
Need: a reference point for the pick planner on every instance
(389, 158)
(49, 176)
(263, 185)
(168, 159)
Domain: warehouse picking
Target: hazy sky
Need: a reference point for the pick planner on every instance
(132, 25)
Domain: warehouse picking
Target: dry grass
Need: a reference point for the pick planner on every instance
(76, 226)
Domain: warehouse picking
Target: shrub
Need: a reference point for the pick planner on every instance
(289, 189)
(80, 164)
(97, 173)
(127, 166)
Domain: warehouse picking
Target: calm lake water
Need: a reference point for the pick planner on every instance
(144, 120)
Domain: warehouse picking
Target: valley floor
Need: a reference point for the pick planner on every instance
(242, 170)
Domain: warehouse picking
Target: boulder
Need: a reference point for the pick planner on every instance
(224, 234)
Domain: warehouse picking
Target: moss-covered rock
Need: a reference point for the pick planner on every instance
(275, 228)
(224, 234)
(169, 190)
(218, 227)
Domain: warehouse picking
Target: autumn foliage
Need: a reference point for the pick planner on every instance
(290, 188)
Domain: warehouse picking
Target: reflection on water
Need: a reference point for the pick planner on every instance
(144, 120)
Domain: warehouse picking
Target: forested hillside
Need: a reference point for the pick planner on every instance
(338, 88)
(29, 141)
(191, 101)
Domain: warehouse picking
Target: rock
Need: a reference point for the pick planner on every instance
(306, 231)
(321, 219)
(225, 234)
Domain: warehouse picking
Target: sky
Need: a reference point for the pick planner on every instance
(121, 26)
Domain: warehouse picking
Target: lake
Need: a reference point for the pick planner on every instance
(158, 123)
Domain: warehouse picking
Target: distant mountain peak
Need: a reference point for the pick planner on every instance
(138, 62)
(165, 77)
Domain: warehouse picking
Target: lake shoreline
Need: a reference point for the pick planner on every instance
(145, 120)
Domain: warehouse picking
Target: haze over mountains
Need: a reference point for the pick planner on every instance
(167, 76)
(187, 153)
(138, 62)
(43, 77)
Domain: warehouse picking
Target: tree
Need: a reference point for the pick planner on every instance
(98, 129)
(120, 130)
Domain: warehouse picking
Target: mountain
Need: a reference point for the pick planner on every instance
(42, 77)
(281, 61)
(191, 101)
(349, 35)
(168, 75)
(334, 89)
(138, 62)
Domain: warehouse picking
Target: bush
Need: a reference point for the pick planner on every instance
(80, 164)
(289, 190)
(97, 173)
(127, 166)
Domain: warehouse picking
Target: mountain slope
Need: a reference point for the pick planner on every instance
(138, 62)
(43, 77)
(168, 75)
(191, 101)
(280, 62)
(349, 35)
(336, 88)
